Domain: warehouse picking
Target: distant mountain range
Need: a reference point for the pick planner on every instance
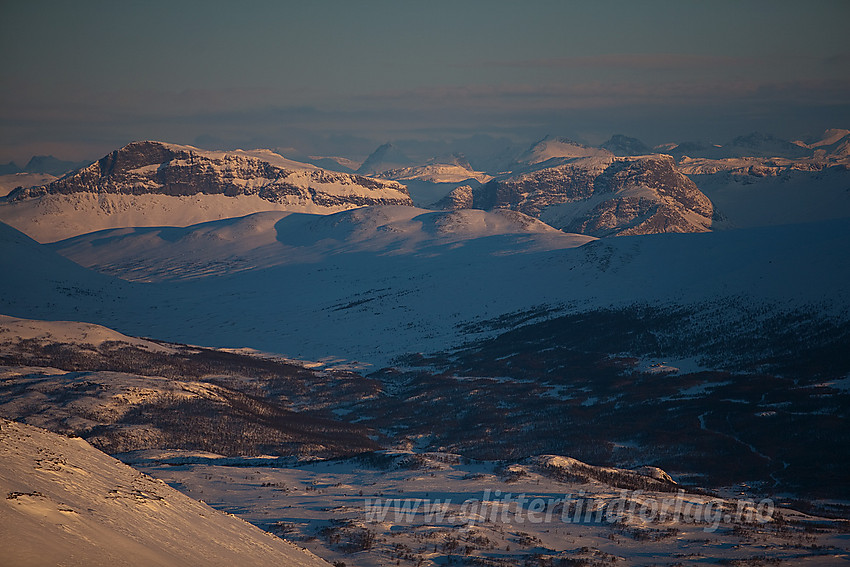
(622, 187)
(625, 187)
(43, 164)
(831, 145)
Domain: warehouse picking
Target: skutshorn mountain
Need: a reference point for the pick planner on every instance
(156, 184)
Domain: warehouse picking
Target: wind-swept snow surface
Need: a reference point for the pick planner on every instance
(66, 503)
(271, 238)
(748, 195)
(361, 290)
(69, 332)
(14, 180)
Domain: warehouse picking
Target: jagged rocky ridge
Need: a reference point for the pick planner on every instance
(166, 169)
(599, 196)
(159, 184)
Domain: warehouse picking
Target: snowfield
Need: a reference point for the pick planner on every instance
(69, 332)
(438, 508)
(372, 284)
(781, 198)
(65, 503)
(270, 239)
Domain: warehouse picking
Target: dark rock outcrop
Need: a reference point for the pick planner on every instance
(601, 197)
(156, 168)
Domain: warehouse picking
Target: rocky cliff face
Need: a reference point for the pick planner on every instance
(158, 184)
(604, 196)
(461, 197)
(165, 169)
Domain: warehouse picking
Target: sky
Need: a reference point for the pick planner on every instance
(340, 77)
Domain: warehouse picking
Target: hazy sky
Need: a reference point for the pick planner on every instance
(81, 78)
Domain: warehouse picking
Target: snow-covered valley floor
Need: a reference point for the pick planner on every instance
(436, 509)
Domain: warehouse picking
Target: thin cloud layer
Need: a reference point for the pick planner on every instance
(79, 80)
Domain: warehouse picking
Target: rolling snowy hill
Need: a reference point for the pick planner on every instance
(375, 283)
(270, 239)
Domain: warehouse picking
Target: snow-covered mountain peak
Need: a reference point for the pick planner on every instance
(550, 148)
(599, 195)
(461, 197)
(154, 184)
(265, 155)
(452, 168)
(384, 158)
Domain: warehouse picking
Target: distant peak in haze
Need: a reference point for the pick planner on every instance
(43, 164)
(621, 145)
(9, 168)
(756, 145)
(768, 145)
(457, 159)
(831, 137)
(549, 148)
(384, 158)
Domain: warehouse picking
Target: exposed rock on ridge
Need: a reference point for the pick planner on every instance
(158, 184)
(165, 169)
(599, 196)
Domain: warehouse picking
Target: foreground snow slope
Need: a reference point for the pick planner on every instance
(65, 503)
(35, 275)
